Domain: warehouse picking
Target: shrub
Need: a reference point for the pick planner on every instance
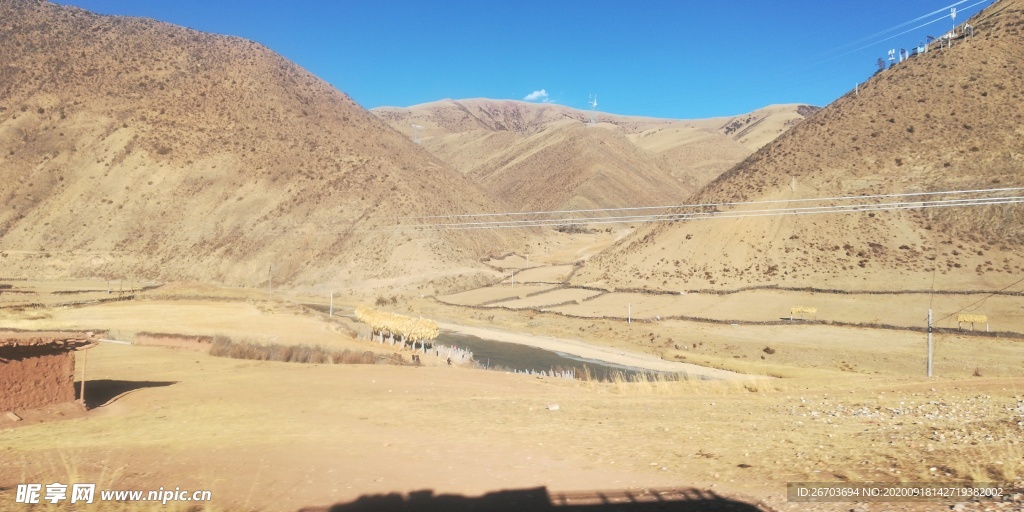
(224, 346)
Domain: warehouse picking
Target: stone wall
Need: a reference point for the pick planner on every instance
(32, 380)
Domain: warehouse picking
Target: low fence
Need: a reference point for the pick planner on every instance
(560, 374)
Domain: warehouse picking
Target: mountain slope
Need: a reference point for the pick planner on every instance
(129, 146)
(547, 156)
(946, 120)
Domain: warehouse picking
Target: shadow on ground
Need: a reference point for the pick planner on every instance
(99, 393)
(538, 499)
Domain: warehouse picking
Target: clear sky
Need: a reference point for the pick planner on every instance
(664, 58)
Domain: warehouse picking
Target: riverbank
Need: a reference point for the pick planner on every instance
(589, 351)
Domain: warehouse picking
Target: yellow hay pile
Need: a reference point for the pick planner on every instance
(971, 318)
(405, 327)
(798, 310)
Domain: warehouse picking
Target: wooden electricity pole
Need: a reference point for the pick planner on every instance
(929, 342)
(85, 360)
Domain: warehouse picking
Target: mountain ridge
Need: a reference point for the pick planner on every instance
(132, 146)
(945, 120)
(521, 149)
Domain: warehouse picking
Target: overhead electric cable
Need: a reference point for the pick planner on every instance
(722, 204)
(710, 210)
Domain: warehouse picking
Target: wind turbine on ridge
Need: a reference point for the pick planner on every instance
(593, 105)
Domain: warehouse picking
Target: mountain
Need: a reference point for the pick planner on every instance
(134, 147)
(546, 156)
(946, 120)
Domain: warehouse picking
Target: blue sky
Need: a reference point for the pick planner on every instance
(671, 59)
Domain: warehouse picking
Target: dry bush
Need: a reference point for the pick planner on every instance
(63, 468)
(224, 346)
(682, 384)
(350, 357)
(989, 462)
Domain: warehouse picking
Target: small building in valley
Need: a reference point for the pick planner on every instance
(37, 369)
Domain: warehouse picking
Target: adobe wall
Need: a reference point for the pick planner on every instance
(36, 380)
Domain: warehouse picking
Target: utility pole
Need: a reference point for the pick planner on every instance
(332, 305)
(270, 284)
(929, 342)
(629, 313)
(513, 278)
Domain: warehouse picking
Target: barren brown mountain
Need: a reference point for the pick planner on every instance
(949, 119)
(547, 156)
(130, 147)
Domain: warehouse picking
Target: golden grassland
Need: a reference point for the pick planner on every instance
(851, 404)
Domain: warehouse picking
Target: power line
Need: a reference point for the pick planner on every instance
(913, 29)
(711, 210)
(785, 76)
(747, 213)
(983, 299)
(736, 203)
(728, 215)
(897, 27)
(697, 211)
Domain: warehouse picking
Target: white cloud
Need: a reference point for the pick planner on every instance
(541, 95)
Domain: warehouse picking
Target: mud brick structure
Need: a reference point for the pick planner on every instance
(38, 368)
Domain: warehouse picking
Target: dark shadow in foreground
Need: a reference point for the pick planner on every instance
(538, 499)
(99, 393)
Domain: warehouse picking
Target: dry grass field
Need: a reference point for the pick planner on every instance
(279, 436)
(902, 310)
(548, 299)
(260, 323)
(545, 274)
(496, 293)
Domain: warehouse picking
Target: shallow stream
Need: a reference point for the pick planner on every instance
(513, 356)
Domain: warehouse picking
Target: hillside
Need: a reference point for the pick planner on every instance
(546, 156)
(130, 147)
(949, 119)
